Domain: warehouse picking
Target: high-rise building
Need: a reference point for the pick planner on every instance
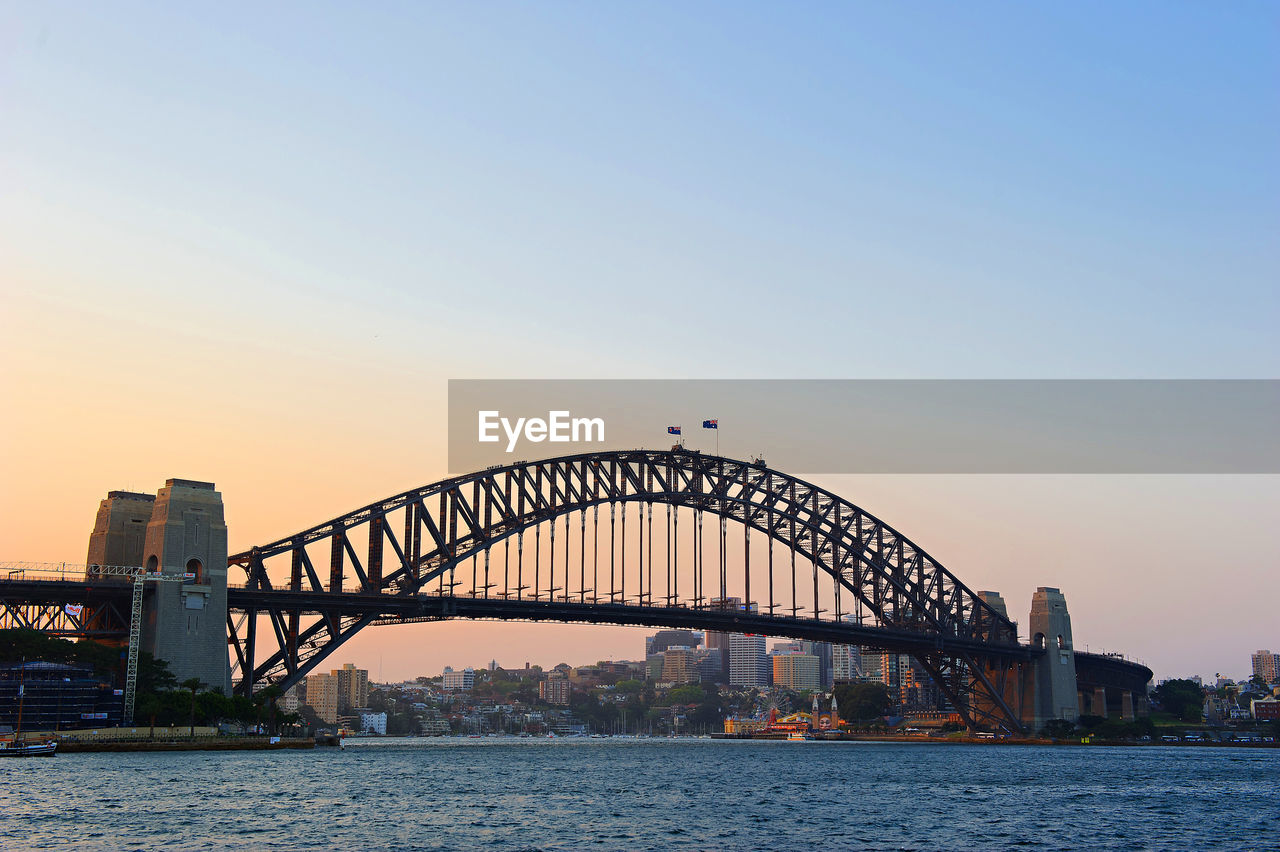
(461, 681)
(353, 688)
(664, 639)
(653, 667)
(797, 671)
(748, 664)
(679, 665)
(322, 696)
(846, 663)
(916, 689)
(1266, 665)
(718, 643)
(887, 667)
(821, 650)
(826, 668)
(872, 665)
(555, 689)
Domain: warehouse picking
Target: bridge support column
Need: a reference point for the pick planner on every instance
(185, 624)
(1126, 706)
(1055, 670)
(1099, 707)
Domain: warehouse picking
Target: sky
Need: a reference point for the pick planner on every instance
(252, 244)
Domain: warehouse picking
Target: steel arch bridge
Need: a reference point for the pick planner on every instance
(485, 546)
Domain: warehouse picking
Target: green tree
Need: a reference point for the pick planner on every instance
(154, 675)
(630, 687)
(148, 706)
(1057, 729)
(689, 693)
(1183, 698)
(192, 685)
(862, 701)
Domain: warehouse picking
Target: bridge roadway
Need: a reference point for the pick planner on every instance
(1102, 679)
(395, 608)
(385, 609)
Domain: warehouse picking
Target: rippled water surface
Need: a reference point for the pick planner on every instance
(647, 794)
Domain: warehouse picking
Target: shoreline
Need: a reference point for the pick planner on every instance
(1005, 741)
(199, 744)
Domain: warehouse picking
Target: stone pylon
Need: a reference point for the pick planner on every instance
(1055, 671)
(185, 624)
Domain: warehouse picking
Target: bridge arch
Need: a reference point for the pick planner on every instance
(858, 563)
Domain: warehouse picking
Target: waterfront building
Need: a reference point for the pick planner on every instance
(434, 727)
(1265, 709)
(57, 696)
(373, 723)
(748, 663)
(797, 671)
(734, 725)
(1266, 665)
(322, 696)
(461, 681)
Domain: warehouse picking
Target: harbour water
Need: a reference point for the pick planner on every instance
(519, 794)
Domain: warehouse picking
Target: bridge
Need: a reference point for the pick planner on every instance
(573, 540)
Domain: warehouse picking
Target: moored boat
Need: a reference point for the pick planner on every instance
(39, 748)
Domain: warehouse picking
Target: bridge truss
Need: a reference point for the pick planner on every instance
(525, 541)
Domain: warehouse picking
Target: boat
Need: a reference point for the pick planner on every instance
(796, 737)
(40, 748)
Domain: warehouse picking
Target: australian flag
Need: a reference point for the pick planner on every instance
(710, 424)
(673, 430)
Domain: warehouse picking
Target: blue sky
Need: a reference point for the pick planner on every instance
(919, 190)
(234, 238)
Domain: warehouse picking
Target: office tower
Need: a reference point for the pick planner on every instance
(748, 663)
(796, 671)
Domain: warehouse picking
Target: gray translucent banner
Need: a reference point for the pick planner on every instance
(889, 426)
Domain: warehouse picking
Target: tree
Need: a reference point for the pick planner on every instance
(862, 701)
(192, 684)
(1183, 698)
(689, 693)
(154, 675)
(148, 706)
(1057, 729)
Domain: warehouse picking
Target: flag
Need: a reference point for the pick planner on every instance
(73, 609)
(710, 424)
(673, 430)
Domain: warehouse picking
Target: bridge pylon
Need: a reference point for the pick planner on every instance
(1055, 670)
(178, 532)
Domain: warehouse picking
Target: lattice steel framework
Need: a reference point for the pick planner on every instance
(415, 547)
